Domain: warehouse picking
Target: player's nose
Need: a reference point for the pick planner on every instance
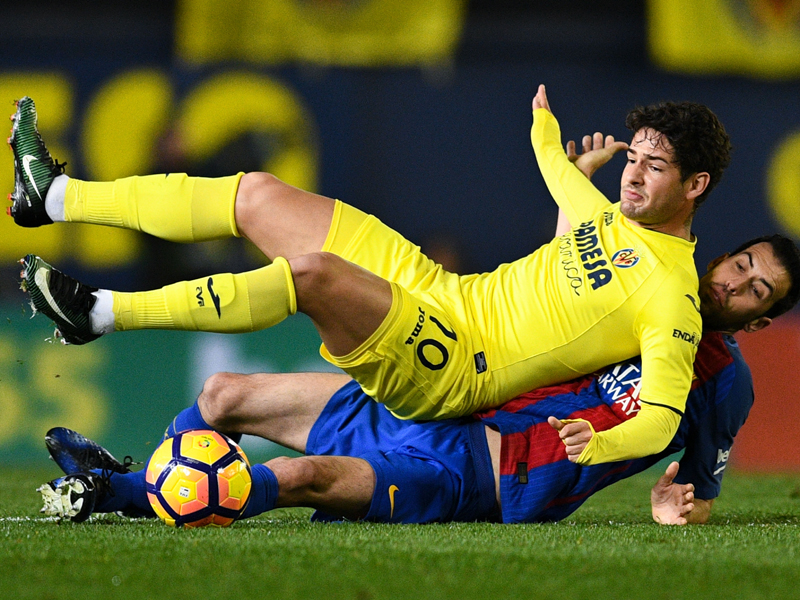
(633, 173)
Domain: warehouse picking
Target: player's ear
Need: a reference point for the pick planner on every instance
(756, 324)
(696, 185)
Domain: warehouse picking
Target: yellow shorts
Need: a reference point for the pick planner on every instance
(426, 360)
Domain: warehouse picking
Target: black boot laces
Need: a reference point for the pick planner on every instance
(56, 168)
(107, 472)
(72, 293)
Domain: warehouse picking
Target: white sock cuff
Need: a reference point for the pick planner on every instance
(101, 317)
(54, 200)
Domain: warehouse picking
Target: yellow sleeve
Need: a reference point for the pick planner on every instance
(669, 329)
(571, 190)
(649, 432)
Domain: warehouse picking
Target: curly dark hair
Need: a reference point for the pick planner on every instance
(788, 255)
(699, 141)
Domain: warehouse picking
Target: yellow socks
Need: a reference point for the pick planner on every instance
(179, 208)
(172, 207)
(223, 303)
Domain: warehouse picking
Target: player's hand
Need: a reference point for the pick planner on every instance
(540, 99)
(596, 151)
(671, 502)
(575, 436)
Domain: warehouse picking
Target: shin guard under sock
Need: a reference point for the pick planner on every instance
(172, 207)
(264, 493)
(192, 418)
(224, 303)
(128, 494)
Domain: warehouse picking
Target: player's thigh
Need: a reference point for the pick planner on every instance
(411, 489)
(281, 407)
(346, 302)
(366, 241)
(280, 219)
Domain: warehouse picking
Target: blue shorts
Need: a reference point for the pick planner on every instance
(424, 471)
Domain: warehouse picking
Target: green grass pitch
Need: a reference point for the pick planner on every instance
(608, 549)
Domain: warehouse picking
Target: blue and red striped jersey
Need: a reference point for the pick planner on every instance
(539, 483)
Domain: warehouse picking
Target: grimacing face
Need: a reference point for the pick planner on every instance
(651, 190)
(737, 290)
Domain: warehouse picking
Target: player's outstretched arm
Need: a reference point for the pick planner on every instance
(596, 151)
(540, 101)
(573, 193)
(672, 503)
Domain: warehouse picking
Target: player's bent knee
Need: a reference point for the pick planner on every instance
(220, 398)
(316, 272)
(257, 185)
(255, 191)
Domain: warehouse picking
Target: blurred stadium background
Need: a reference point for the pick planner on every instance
(417, 111)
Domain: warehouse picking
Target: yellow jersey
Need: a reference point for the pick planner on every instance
(606, 291)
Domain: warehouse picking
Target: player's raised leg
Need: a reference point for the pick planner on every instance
(282, 220)
(346, 303)
(223, 303)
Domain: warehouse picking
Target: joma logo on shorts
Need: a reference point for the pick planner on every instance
(417, 327)
(692, 338)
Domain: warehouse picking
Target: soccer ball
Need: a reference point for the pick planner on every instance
(198, 478)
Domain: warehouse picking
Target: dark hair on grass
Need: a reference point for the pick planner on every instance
(699, 141)
(788, 255)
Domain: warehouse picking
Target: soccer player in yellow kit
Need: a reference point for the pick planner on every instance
(427, 343)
